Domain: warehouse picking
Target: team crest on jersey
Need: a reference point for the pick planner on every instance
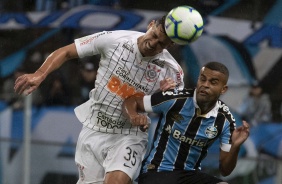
(151, 166)
(152, 73)
(211, 132)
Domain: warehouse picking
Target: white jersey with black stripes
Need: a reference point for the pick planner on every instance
(122, 72)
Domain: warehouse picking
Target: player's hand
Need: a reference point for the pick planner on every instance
(144, 128)
(166, 84)
(139, 120)
(241, 134)
(27, 83)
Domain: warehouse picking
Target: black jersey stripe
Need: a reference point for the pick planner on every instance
(219, 124)
(228, 116)
(154, 138)
(184, 148)
(169, 121)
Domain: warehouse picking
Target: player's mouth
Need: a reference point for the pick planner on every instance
(148, 47)
(203, 93)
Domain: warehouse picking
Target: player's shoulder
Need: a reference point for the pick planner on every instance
(125, 33)
(225, 110)
(167, 56)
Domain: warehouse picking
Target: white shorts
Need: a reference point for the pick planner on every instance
(98, 153)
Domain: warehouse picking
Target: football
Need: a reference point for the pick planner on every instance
(184, 25)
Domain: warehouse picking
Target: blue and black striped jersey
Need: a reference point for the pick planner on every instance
(183, 136)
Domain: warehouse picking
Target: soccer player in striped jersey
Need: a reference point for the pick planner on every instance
(190, 122)
(109, 148)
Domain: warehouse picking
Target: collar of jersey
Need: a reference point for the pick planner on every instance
(212, 112)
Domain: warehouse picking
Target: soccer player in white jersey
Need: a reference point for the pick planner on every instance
(110, 149)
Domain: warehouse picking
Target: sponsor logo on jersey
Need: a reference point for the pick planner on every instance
(176, 134)
(211, 132)
(225, 108)
(128, 47)
(124, 74)
(152, 73)
(176, 116)
(122, 89)
(151, 166)
(175, 92)
(124, 60)
(108, 122)
(158, 62)
(168, 129)
(87, 39)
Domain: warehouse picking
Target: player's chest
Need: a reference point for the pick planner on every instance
(186, 127)
(144, 74)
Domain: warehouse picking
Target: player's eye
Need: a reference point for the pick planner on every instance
(202, 79)
(214, 82)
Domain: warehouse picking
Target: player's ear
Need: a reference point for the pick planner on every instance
(151, 24)
(224, 89)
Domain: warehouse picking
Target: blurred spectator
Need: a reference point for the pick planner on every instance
(57, 92)
(256, 107)
(88, 77)
(109, 3)
(45, 5)
(280, 117)
(12, 6)
(14, 100)
(74, 3)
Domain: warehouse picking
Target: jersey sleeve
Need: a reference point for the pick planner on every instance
(176, 71)
(225, 138)
(147, 103)
(92, 44)
(159, 102)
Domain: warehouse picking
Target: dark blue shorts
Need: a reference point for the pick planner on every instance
(177, 177)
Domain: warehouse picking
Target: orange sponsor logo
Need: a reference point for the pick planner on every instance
(122, 89)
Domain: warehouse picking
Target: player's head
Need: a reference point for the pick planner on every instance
(155, 39)
(212, 82)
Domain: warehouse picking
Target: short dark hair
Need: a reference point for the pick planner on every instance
(161, 21)
(218, 67)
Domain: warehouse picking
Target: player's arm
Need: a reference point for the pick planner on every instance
(130, 108)
(228, 160)
(27, 83)
(167, 84)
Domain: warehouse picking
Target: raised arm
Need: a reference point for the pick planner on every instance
(228, 160)
(27, 83)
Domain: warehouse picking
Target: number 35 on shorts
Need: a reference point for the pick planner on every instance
(130, 157)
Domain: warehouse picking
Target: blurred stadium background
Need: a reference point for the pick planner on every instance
(246, 35)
